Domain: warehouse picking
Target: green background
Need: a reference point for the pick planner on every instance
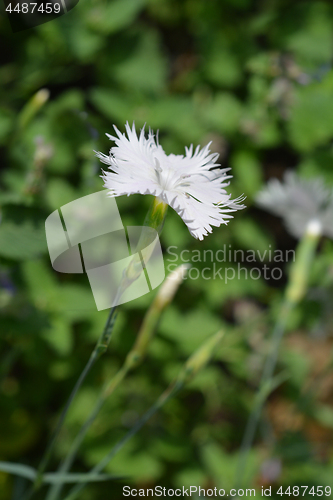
(256, 79)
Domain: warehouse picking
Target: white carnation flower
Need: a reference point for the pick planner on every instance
(192, 184)
(299, 202)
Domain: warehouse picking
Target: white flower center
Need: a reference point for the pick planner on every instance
(168, 179)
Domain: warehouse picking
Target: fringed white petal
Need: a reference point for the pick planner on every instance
(192, 184)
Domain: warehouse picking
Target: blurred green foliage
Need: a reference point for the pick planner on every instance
(256, 79)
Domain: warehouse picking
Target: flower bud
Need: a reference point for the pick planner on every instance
(200, 358)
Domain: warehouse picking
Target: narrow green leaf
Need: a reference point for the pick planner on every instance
(18, 470)
(55, 477)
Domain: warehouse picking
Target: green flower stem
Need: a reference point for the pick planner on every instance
(265, 388)
(171, 391)
(133, 359)
(195, 363)
(99, 349)
(55, 490)
(151, 319)
(154, 220)
(299, 273)
(153, 223)
(155, 217)
(295, 291)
